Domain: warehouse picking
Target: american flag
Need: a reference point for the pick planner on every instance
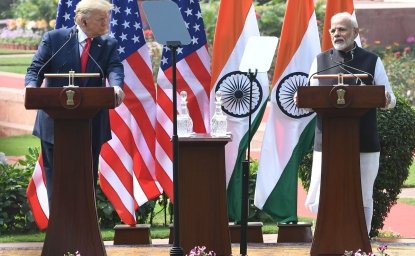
(193, 76)
(127, 163)
(65, 16)
(36, 190)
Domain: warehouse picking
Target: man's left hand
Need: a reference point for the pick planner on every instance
(388, 98)
(119, 95)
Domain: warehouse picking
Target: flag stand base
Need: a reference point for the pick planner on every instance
(295, 233)
(128, 235)
(253, 232)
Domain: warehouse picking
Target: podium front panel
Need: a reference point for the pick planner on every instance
(202, 190)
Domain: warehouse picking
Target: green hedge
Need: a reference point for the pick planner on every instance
(15, 214)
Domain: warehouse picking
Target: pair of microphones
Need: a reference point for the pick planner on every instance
(71, 35)
(342, 65)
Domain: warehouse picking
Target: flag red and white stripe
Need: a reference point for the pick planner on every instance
(192, 76)
(127, 162)
(38, 196)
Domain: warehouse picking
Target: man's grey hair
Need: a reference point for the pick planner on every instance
(346, 16)
(85, 7)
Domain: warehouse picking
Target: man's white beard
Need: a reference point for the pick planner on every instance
(341, 46)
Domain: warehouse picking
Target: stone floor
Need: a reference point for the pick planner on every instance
(283, 250)
(400, 247)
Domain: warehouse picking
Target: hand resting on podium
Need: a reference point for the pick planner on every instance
(119, 95)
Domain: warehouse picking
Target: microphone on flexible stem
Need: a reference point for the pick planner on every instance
(74, 31)
(319, 71)
(343, 64)
(99, 67)
(337, 64)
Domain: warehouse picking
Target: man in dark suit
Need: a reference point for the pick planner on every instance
(63, 50)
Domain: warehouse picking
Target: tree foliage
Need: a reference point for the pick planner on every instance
(5, 10)
(35, 9)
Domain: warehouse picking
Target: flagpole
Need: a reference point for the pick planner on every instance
(176, 250)
(245, 173)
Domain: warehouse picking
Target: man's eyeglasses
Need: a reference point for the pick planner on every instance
(333, 30)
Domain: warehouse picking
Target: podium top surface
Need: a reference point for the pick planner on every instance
(204, 137)
(356, 97)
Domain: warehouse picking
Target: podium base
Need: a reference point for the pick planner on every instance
(253, 232)
(130, 235)
(294, 233)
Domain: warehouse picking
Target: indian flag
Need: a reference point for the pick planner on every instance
(235, 24)
(333, 7)
(289, 131)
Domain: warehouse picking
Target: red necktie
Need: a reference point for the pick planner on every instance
(85, 55)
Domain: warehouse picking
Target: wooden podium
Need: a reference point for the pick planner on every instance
(203, 214)
(340, 221)
(73, 224)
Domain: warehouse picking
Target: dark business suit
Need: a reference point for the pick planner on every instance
(104, 51)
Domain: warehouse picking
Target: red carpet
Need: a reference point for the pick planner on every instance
(400, 220)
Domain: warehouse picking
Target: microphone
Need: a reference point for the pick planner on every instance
(343, 64)
(319, 71)
(96, 63)
(337, 64)
(74, 31)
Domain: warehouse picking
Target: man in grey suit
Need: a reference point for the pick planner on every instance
(61, 51)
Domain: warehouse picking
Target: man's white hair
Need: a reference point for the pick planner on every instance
(345, 16)
(85, 7)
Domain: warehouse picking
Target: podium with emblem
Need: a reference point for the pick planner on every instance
(340, 222)
(73, 224)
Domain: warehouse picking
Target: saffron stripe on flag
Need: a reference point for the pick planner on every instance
(289, 130)
(236, 22)
(333, 7)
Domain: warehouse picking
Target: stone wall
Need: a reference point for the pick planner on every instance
(14, 118)
(387, 25)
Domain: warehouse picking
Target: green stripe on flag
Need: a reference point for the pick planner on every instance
(282, 202)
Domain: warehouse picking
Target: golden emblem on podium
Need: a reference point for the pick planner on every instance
(340, 96)
(70, 95)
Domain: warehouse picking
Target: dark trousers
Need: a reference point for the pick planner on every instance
(47, 154)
